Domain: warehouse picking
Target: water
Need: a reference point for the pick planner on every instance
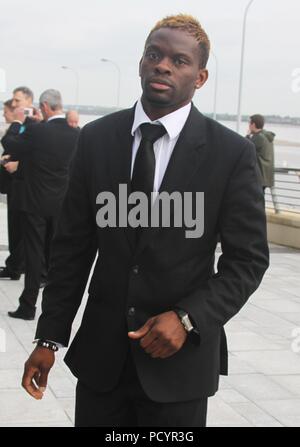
(85, 119)
(285, 156)
(283, 132)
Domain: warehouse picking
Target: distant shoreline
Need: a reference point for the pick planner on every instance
(105, 110)
(287, 143)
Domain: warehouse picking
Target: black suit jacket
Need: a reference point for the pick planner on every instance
(45, 151)
(129, 285)
(5, 181)
(13, 183)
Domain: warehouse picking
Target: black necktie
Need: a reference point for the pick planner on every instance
(144, 165)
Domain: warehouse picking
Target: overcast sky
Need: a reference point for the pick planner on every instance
(37, 37)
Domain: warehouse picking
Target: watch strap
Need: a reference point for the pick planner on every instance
(194, 334)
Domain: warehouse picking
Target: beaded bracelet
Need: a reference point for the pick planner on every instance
(48, 345)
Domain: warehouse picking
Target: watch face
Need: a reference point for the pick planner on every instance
(187, 323)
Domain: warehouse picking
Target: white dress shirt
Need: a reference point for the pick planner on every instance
(54, 117)
(164, 146)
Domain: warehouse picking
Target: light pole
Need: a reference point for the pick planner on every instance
(216, 85)
(119, 77)
(64, 67)
(238, 123)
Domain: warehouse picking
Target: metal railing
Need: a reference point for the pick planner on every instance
(285, 195)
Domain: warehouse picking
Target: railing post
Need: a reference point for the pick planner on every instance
(274, 200)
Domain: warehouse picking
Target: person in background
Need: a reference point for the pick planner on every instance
(8, 111)
(46, 149)
(263, 141)
(264, 145)
(5, 177)
(15, 263)
(72, 117)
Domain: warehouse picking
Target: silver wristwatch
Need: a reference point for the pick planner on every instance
(185, 320)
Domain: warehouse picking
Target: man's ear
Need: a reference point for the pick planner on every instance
(202, 78)
(140, 64)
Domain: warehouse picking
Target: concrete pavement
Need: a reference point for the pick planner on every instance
(262, 390)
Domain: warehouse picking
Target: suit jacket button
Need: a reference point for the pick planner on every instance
(135, 269)
(131, 311)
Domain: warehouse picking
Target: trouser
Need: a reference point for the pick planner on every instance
(38, 235)
(15, 262)
(128, 406)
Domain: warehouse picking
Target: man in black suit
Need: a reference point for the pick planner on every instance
(151, 344)
(45, 152)
(5, 177)
(12, 185)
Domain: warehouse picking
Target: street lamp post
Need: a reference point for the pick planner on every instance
(238, 123)
(119, 78)
(216, 85)
(64, 67)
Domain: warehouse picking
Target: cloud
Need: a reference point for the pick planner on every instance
(37, 39)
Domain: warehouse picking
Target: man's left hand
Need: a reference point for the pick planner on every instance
(37, 116)
(161, 336)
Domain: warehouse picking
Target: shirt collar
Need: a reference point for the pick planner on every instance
(55, 117)
(173, 122)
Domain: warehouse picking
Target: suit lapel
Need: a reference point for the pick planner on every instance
(120, 156)
(187, 156)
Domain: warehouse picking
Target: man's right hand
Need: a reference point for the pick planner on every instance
(11, 166)
(36, 371)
